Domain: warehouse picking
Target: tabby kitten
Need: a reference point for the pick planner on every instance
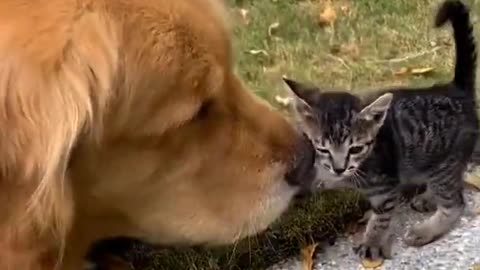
(399, 137)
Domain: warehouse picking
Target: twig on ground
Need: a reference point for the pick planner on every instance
(339, 60)
(407, 57)
(344, 63)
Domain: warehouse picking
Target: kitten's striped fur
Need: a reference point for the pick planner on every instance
(411, 136)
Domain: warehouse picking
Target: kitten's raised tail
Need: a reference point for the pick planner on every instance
(458, 14)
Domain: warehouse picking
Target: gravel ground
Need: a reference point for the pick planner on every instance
(460, 249)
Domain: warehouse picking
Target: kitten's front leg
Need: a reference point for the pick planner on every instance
(377, 241)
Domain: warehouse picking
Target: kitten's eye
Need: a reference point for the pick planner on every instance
(355, 150)
(323, 151)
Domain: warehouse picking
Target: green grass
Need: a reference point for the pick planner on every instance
(369, 42)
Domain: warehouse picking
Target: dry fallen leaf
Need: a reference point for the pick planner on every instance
(275, 70)
(328, 15)
(402, 72)
(413, 71)
(476, 266)
(244, 15)
(272, 28)
(345, 8)
(284, 101)
(256, 52)
(419, 71)
(473, 181)
(368, 264)
(273, 73)
(307, 257)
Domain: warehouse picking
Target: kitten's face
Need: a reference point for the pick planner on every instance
(337, 160)
(342, 129)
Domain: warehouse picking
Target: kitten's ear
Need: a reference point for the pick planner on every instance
(299, 94)
(377, 110)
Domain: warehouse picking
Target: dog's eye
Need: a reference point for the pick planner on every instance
(355, 150)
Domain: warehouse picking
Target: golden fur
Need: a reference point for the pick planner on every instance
(124, 117)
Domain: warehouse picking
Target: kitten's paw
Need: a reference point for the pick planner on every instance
(420, 235)
(372, 252)
(366, 217)
(422, 205)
